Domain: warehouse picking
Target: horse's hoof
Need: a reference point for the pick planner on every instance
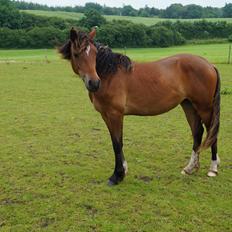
(183, 172)
(212, 174)
(111, 183)
(116, 179)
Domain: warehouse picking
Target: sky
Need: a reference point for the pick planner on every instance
(161, 4)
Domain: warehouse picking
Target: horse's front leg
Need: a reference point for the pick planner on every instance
(114, 122)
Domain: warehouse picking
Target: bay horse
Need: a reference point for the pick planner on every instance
(117, 87)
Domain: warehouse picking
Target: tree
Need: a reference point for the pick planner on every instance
(154, 11)
(173, 11)
(9, 15)
(227, 10)
(93, 6)
(212, 12)
(192, 12)
(92, 18)
(143, 12)
(129, 11)
(108, 11)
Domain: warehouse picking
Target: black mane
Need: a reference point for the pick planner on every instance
(108, 62)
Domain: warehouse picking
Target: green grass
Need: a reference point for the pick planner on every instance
(144, 20)
(56, 155)
(28, 55)
(216, 53)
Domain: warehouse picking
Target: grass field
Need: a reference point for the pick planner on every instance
(144, 20)
(56, 155)
(216, 53)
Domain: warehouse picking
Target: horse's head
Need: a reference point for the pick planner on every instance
(82, 53)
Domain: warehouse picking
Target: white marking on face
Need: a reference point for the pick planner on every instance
(88, 50)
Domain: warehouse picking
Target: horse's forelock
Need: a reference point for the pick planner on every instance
(81, 42)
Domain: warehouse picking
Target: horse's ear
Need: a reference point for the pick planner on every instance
(93, 33)
(73, 34)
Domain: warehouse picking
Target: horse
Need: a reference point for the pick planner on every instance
(118, 87)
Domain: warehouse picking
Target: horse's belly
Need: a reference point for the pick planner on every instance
(149, 107)
(153, 96)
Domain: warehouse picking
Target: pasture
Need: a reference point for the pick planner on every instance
(148, 21)
(56, 155)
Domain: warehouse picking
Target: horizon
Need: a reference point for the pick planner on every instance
(134, 3)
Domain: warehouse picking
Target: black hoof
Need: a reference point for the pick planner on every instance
(111, 183)
(115, 179)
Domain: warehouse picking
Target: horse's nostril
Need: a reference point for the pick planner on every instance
(93, 85)
(98, 83)
(90, 83)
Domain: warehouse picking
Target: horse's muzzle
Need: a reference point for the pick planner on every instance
(93, 85)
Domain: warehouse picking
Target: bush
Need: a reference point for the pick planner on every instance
(123, 34)
(13, 38)
(162, 36)
(46, 37)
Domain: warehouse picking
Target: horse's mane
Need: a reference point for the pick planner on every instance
(107, 62)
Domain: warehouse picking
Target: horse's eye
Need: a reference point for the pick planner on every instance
(76, 55)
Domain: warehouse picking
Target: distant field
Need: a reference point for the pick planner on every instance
(144, 20)
(56, 155)
(59, 14)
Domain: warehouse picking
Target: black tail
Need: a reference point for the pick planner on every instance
(212, 134)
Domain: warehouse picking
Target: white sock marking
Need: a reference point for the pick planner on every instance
(193, 163)
(125, 166)
(213, 170)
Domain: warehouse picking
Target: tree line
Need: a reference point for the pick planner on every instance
(177, 11)
(22, 30)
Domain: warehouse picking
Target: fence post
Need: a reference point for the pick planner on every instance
(229, 55)
(124, 50)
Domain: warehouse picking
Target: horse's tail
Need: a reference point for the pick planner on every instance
(212, 134)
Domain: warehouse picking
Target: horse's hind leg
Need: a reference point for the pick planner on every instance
(197, 129)
(215, 160)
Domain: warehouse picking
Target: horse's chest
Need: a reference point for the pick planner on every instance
(97, 104)
(100, 104)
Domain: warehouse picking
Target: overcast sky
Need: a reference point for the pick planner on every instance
(135, 3)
